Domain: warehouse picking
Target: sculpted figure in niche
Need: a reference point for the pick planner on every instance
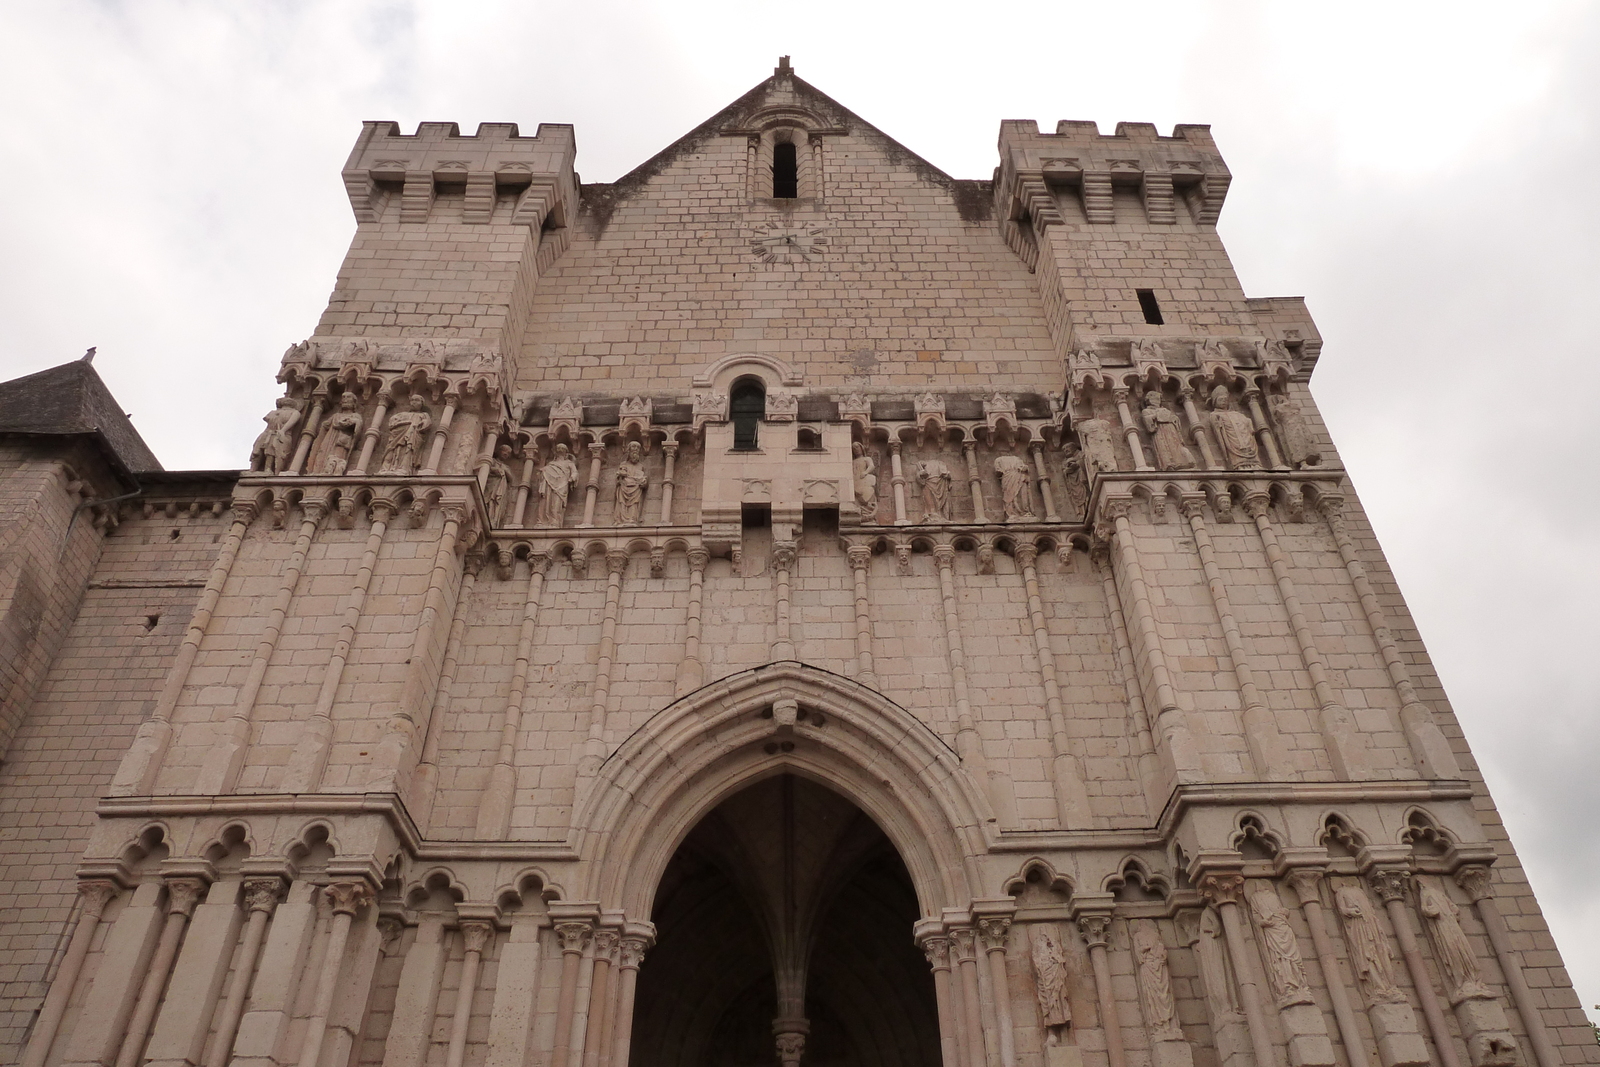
(935, 479)
(1099, 453)
(1236, 434)
(866, 481)
(1369, 948)
(1457, 962)
(556, 480)
(631, 482)
(1285, 970)
(1050, 980)
(497, 486)
(1016, 488)
(1155, 983)
(1215, 967)
(1298, 447)
(408, 430)
(275, 445)
(1073, 481)
(339, 435)
(1161, 423)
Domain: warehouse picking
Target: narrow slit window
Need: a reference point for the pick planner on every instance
(785, 171)
(1150, 307)
(747, 407)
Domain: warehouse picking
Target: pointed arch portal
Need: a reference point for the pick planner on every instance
(784, 923)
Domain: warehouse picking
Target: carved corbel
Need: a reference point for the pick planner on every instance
(902, 559)
(986, 558)
(658, 561)
(417, 514)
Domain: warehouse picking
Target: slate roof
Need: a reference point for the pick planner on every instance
(72, 400)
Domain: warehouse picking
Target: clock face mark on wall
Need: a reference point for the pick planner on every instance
(776, 241)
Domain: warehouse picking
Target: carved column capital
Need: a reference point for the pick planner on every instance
(245, 511)
(96, 893)
(1026, 555)
(698, 558)
(969, 448)
(944, 556)
(574, 935)
(633, 950)
(475, 934)
(1390, 883)
(1256, 503)
(1115, 510)
(937, 949)
(670, 448)
(616, 562)
(261, 894)
(597, 450)
(994, 930)
(539, 562)
(1096, 930)
(1193, 507)
(383, 509)
(1306, 883)
(1185, 391)
(783, 554)
(1120, 394)
(1222, 887)
(348, 898)
(895, 446)
(1332, 507)
(183, 894)
(605, 943)
(860, 556)
(963, 944)
(315, 509)
(1475, 878)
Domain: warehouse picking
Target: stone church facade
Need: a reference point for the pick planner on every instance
(784, 606)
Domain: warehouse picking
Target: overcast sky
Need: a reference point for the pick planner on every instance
(1423, 173)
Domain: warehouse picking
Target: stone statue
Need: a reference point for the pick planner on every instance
(1369, 948)
(866, 481)
(1285, 970)
(275, 445)
(408, 430)
(1099, 453)
(935, 479)
(1293, 433)
(1161, 423)
(339, 435)
(1155, 983)
(1216, 968)
(1050, 980)
(631, 483)
(1073, 482)
(556, 480)
(498, 484)
(1458, 963)
(1236, 434)
(1016, 487)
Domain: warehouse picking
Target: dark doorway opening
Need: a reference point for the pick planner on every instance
(785, 909)
(785, 171)
(747, 406)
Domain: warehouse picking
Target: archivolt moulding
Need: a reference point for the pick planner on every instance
(714, 742)
(773, 371)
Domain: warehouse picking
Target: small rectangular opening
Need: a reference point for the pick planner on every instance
(785, 171)
(1148, 304)
(755, 516)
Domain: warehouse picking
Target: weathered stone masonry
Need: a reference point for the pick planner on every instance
(926, 619)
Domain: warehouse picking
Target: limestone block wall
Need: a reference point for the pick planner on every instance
(118, 645)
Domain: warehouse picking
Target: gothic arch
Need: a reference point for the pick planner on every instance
(727, 735)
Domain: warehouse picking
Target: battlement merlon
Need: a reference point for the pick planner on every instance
(1078, 155)
(386, 162)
